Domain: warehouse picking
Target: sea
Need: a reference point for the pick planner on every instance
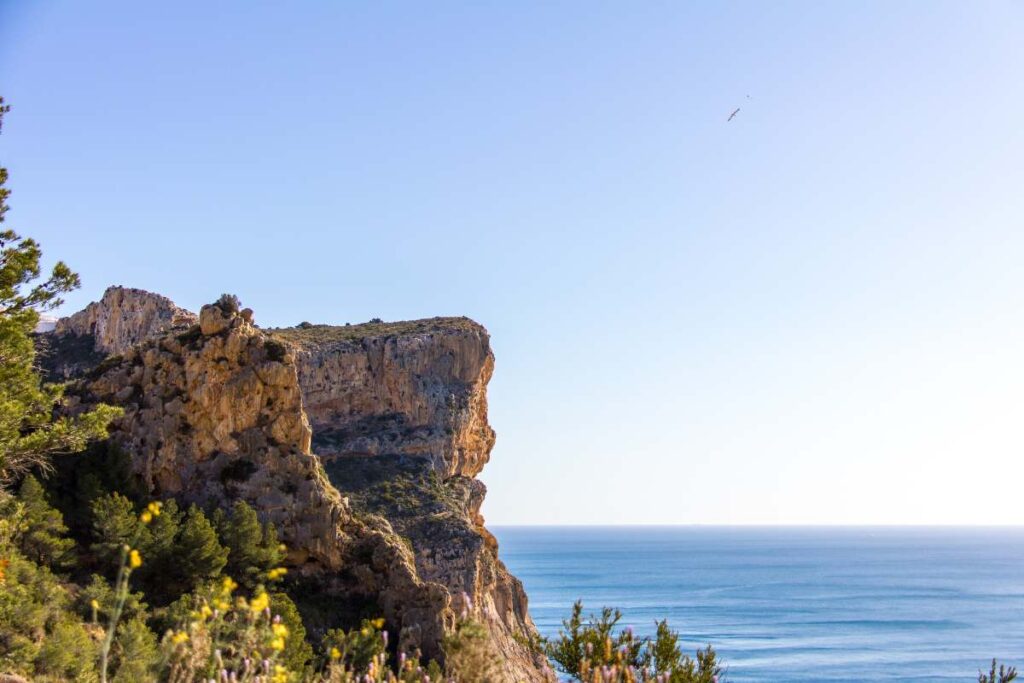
(793, 603)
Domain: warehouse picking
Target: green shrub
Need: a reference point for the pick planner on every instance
(584, 647)
(229, 303)
(136, 654)
(1000, 675)
(469, 654)
(43, 536)
(253, 548)
(67, 654)
(97, 601)
(297, 654)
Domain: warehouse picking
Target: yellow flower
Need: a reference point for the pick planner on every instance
(280, 674)
(335, 653)
(205, 611)
(277, 644)
(222, 605)
(94, 604)
(179, 637)
(154, 508)
(259, 603)
(280, 630)
(146, 517)
(378, 623)
(277, 573)
(229, 585)
(134, 559)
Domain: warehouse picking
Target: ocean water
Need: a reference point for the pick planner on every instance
(792, 603)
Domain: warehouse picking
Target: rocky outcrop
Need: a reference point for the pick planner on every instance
(123, 318)
(387, 519)
(215, 414)
(70, 347)
(412, 388)
(399, 416)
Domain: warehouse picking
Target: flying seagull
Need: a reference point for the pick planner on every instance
(732, 115)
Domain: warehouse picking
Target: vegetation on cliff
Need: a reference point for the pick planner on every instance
(309, 333)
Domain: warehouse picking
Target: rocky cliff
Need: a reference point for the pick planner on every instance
(387, 518)
(121, 319)
(413, 388)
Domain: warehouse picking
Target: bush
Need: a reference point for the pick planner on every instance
(470, 655)
(253, 548)
(585, 647)
(43, 535)
(297, 654)
(67, 654)
(97, 601)
(136, 654)
(276, 351)
(1000, 675)
(229, 303)
(32, 603)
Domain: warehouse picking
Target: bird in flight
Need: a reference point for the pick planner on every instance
(732, 115)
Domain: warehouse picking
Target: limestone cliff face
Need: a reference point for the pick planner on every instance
(399, 412)
(214, 414)
(123, 318)
(118, 321)
(388, 519)
(416, 388)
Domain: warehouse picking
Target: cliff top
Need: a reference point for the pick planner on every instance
(306, 333)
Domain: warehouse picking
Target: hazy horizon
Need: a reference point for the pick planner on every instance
(810, 314)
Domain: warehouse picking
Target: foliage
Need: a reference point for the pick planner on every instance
(253, 549)
(32, 605)
(98, 600)
(298, 653)
(229, 303)
(136, 652)
(196, 556)
(229, 634)
(315, 334)
(79, 479)
(182, 551)
(29, 433)
(60, 657)
(1003, 674)
(469, 654)
(115, 524)
(594, 649)
(355, 650)
(42, 537)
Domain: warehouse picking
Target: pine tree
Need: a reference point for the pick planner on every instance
(29, 432)
(200, 556)
(297, 653)
(43, 538)
(254, 548)
(137, 654)
(114, 525)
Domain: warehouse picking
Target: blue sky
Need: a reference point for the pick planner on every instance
(810, 314)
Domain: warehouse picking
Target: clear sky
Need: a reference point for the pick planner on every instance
(810, 314)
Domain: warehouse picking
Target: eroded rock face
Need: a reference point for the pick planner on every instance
(216, 416)
(412, 388)
(215, 412)
(123, 318)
